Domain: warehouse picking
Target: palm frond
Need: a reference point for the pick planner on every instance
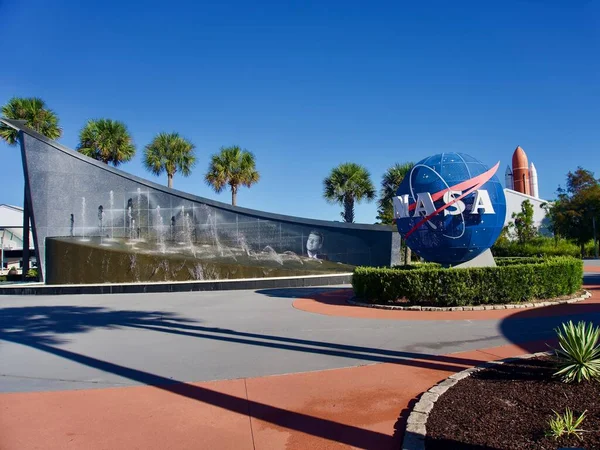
(348, 183)
(170, 153)
(232, 166)
(36, 115)
(106, 140)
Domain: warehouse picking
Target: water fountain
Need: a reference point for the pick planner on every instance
(292, 256)
(196, 272)
(243, 244)
(83, 219)
(130, 221)
(139, 207)
(101, 223)
(179, 250)
(159, 230)
(211, 228)
(270, 253)
(188, 231)
(112, 218)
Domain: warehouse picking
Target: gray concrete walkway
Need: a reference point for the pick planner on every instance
(215, 335)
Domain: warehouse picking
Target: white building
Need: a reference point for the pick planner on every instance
(515, 199)
(11, 238)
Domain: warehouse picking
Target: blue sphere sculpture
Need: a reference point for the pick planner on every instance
(450, 208)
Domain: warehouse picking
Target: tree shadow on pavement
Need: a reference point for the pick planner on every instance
(326, 295)
(527, 327)
(324, 428)
(45, 328)
(49, 325)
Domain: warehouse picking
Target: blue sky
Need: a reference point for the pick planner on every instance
(310, 84)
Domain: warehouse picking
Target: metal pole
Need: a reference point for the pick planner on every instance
(595, 238)
(26, 213)
(2, 251)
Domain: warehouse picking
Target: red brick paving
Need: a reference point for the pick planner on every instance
(334, 409)
(361, 407)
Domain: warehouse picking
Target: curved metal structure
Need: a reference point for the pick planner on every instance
(68, 195)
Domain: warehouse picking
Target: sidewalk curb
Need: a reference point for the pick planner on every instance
(586, 294)
(178, 286)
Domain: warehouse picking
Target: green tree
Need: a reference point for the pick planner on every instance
(523, 224)
(580, 181)
(36, 115)
(232, 167)
(106, 140)
(347, 184)
(390, 182)
(170, 153)
(574, 212)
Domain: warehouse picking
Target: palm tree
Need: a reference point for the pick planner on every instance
(346, 184)
(389, 185)
(106, 140)
(171, 153)
(390, 182)
(234, 167)
(36, 115)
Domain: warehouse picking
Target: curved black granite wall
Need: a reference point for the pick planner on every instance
(73, 195)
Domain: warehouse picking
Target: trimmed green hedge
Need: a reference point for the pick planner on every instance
(541, 247)
(417, 266)
(515, 280)
(511, 261)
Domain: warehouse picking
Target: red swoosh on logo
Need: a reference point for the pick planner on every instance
(475, 182)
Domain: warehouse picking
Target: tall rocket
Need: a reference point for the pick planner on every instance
(533, 181)
(520, 169)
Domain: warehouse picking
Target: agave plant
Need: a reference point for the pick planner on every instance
(578, 353)
(565, 424)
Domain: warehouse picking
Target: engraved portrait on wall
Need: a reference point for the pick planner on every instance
(314, 244)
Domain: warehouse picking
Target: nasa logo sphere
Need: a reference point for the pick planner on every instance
(450, 208)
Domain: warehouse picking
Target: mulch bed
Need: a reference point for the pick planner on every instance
(509, 406)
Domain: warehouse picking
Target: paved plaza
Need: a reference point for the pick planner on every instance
(269, 369)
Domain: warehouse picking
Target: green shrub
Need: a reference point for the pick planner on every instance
(578, 352)
(420, 265)
(565, 424)
(588, 250)
(32, 273)
(541, 246)
(510, 282)
(511, 261)
(2, 278)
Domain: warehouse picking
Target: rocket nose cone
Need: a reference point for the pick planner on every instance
(519, 159)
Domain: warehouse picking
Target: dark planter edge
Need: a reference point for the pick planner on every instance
(415, 431)
(191, 286)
